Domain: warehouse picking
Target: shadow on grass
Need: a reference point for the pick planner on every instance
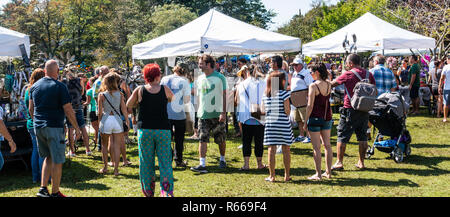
(74, 176)
(429, 146)
(359, 182)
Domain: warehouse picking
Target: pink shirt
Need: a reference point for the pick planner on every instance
(350, 80)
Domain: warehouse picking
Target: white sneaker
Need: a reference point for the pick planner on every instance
(307, 140)
(89, 153)
(240, 147)
(279, 149)
(70, 154)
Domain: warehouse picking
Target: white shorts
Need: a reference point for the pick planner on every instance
(112, 126)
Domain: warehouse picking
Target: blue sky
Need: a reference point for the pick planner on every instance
(285, 9)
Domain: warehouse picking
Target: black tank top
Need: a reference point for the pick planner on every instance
(153, 111)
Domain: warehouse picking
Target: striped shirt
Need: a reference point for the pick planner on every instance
(384, 79)
(278, 129)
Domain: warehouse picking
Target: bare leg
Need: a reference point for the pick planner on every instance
(445, 113)
(56, 177)
(287, 162)
(271, 160)
(95, 126)
(340, 155)
(315, 140)
(105, 141)
(85, 138)
(46, 171)
(362, 154)
(118, 142)
(123, 152)
(325, 134)
(222, 148)
(71, 140)
(202, 149)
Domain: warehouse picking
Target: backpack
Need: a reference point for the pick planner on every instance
(365, 94)
(404, 75)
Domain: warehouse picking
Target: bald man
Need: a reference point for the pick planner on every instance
(50, 102)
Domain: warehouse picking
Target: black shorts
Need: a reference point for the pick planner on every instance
(414, 92)
(93, 116)
(352, 121)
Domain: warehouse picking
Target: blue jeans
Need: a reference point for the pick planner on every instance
(1, 158)
(36, 160)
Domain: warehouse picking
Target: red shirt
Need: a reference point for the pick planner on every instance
(350, 80)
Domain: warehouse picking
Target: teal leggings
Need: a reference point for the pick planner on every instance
(157, 142)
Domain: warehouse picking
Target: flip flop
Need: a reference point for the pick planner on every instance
(244, 169)
(268, 179)
(289, 180)
(262, 168)
(314, 178)
(360, 168)
(127, 164)
(337, 168)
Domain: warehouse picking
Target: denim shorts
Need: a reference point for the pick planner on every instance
(327, 125)
(446, 97)
(80, 119)
(51, 143)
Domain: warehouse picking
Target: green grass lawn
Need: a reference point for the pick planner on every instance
(426, 173)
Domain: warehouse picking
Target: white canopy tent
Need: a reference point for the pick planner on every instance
(372, 34)
(217, 34)
(403, 52)
(10, 41)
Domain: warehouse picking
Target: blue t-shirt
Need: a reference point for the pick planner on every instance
(49, 96)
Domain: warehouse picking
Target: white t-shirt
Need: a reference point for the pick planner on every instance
(251, 89)
(297, 83)
(446, 72)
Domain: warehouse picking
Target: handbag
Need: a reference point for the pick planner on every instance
(299, 98)
(124, 123)
(255, 110)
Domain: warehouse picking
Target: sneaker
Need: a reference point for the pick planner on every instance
(299, 139)
(59, 194)
(71, 154)
(279, 149)
(199, 168)
(240, 147)
(222, 165)
(307, 140)
(89, 153)
(43, 192)
(182, 164)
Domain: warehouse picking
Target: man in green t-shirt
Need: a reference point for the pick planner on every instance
(414, 83)
(211, 91)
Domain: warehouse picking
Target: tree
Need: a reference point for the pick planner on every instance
(430, 18)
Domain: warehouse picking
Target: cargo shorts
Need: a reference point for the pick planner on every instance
(352, 121)
(207, 126)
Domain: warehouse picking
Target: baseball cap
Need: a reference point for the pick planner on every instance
(297, 61)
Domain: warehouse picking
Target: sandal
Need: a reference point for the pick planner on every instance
(315, 178)
(103, 171)
(337, 168)
(263, 167)
(127, 164)
(326, 175)
(269, 179)
(244, 169)
(359, 167)
(288, 180)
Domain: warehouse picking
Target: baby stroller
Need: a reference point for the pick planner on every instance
(389, 117)
(425, 98)
(337, 98)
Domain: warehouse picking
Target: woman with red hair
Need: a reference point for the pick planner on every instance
(154, 134)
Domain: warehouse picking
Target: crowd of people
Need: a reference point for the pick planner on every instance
(264, 112)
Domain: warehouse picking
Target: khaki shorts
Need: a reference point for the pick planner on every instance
(300, 114)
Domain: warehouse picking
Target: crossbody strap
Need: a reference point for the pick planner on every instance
(111, 105)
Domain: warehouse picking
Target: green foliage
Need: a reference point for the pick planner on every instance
(345, 12)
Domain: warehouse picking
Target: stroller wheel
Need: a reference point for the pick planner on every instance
(398, 155)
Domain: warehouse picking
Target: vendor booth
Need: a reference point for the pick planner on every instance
(217, 34)
(371, 34)
(12, 87)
